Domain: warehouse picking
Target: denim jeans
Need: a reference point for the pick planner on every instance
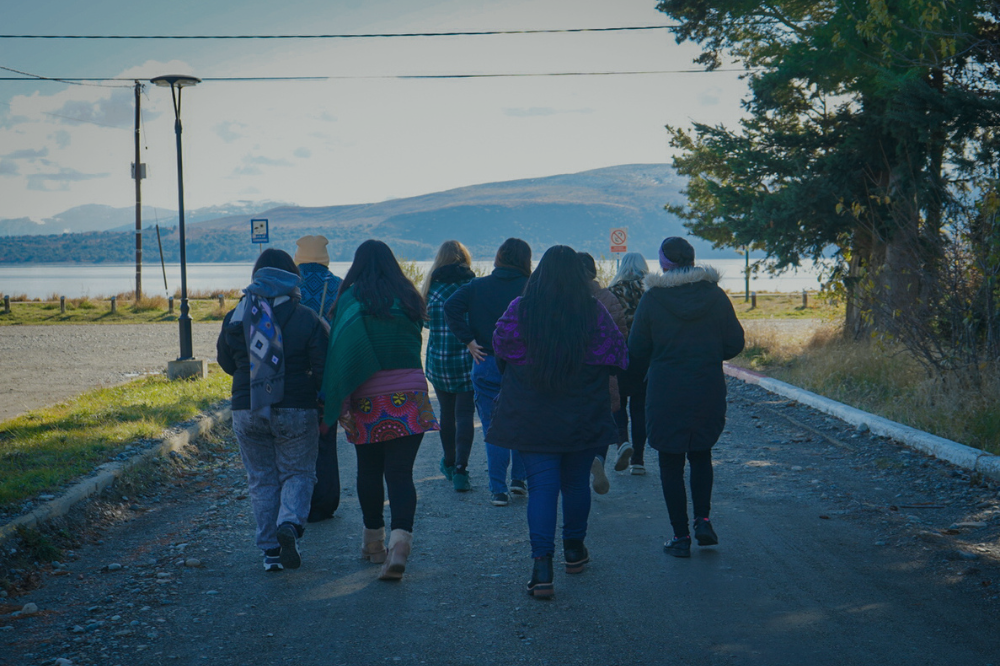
(550, 474)
(279, 454)
(486, 383)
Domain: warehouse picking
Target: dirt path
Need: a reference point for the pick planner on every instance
(836, 548)
(43, 365)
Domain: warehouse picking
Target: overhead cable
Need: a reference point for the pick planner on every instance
(373, 35)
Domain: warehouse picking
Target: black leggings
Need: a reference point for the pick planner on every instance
(633, 399)
(392, 459)
(457, 428)
(672, 480)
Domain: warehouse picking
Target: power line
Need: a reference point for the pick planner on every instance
(75, 82)
(225, 79)
(373, 35)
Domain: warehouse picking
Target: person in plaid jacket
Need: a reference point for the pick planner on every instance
(449, 363)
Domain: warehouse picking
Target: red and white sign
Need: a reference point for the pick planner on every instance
(619, 240)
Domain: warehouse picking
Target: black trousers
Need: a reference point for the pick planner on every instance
(393, 461)
(633, 406)
(674, 493)
(326, 492)
(457, 427)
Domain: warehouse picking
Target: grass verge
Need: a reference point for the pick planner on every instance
(46, 448)
(152, 310)
(883, 381)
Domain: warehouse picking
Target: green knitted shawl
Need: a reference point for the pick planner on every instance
(361, 345)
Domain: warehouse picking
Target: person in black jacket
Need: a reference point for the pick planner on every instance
(275, 349)
(472, 313)
(684, 328)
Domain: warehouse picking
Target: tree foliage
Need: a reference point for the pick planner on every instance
(869, 124)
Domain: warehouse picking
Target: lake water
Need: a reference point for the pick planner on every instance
(76, 281)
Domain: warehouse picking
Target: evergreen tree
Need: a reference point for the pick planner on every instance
(867, 121)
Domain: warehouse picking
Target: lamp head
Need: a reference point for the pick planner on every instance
(179, 80)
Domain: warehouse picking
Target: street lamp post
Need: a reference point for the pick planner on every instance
(186, 364)
(177, 83)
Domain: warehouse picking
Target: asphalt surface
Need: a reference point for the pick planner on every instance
(836, 548)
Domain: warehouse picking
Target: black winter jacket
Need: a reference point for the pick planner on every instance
(683, 329)
(305, 337)
(472, 311)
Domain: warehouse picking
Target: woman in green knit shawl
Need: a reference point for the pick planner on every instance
(374, 384)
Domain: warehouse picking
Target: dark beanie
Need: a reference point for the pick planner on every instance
(675, 252)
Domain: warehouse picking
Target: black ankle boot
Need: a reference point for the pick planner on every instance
(540, 585)
(576, 555)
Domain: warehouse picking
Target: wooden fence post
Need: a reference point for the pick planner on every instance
(6, 304)
(114, 304)
(753, 300)
(170, 305)
(222, 301)
(62, 305)
(805, 299)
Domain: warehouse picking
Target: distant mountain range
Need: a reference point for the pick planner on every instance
(573, 209)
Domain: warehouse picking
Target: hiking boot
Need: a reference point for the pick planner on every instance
(598, 479)
(460, 481)
(288, 534)
(500, 499)
(624, 456)
(447, 470)
(540, 585)
(575, 554)
(518, 487)
(272, 559)
(678, 546)
(703, 532)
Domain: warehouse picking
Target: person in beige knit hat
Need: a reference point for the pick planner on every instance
(312, 250)
(319, 289)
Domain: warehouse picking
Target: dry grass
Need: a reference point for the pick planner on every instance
(883, 381)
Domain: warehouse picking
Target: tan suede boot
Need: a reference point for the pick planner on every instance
(373, 545)
(399, 549)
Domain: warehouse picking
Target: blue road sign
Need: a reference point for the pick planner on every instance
(258, 231)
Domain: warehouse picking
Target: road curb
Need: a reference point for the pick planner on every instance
(961, 455)
(106, 474)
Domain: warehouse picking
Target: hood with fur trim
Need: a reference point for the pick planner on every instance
(688, 293)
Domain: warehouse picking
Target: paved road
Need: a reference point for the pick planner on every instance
(835, 549)
(43, 365)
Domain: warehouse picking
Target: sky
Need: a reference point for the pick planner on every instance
(360, 135)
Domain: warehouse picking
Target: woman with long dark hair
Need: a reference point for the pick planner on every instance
(275, 349)
(374, 383)
(449, 364)
(683, 330)
(557, 345)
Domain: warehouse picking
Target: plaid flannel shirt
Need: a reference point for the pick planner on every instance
(449, 363)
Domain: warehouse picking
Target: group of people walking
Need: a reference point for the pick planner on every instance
(557, 367)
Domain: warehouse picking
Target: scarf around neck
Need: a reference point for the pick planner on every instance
(265, 344)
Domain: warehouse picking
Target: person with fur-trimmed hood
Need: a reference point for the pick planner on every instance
(684, 328)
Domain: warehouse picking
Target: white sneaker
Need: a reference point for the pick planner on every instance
(598, 479)
(624, 456)
(637, 470)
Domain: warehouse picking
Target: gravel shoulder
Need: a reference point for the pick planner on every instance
(43, 365)
(836, 547)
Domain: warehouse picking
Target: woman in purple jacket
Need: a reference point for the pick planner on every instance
(557, 346)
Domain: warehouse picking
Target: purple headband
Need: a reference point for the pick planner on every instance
(665, 263)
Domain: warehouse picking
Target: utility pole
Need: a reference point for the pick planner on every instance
(138, 173)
